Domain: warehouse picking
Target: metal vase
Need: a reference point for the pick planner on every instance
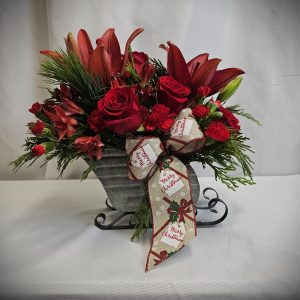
(124, 194)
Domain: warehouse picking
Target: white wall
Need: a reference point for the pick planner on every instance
(261, 37)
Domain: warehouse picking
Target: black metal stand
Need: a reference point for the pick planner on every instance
(129, 224)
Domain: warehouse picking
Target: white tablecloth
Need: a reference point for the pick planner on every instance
(50, 249)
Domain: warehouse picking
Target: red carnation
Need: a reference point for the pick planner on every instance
(38, 150)
(95, 121)
(36, 108)
(38, 127)
(160, 117)
(203, 91)
(201, 111)
(217, 131)
(230, 118)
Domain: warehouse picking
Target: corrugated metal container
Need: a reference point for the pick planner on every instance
(124, 194)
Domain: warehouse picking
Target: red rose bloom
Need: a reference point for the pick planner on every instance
(38, 127)
(95, 121)
(172, 93)
(36, 108)
(38, 150)
(217, 131)
(120, 110)
(203, 91)
(201, 111)
(160, 117)
(230, 118)
(90, 145)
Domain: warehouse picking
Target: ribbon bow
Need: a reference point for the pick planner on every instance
(169, 189)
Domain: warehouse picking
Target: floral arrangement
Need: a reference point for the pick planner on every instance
(106, 98)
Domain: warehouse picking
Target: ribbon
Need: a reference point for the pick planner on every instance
(169, 189)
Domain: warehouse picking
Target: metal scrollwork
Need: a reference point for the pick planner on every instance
(129, 224)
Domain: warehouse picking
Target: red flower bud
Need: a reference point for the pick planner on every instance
(203, 91)
(38, 150)
(36, 108)
(38, 128)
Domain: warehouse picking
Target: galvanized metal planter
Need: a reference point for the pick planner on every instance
(124, 194)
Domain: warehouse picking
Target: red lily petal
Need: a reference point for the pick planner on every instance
(52, 116)
(70, 131)
(204, 74)
(222, 77)
(85, 47)
(129, 41)
(196, 62)
(99, 64)
(70, 107)
(71, 43)
(176, 65)
(52, 54)
(163, 46)
(61, 133)
(112, 46)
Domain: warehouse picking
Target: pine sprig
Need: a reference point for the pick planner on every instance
(226, 157)
(69, 70)
(236, 109)
(143, 217)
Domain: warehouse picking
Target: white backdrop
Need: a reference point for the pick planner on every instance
(261, 37)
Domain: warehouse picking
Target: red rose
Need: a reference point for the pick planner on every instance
(217, 131)
(160, 117)
(203, 91)
(120, 110)
(92, 146)
(201, 111)
(38, 150)
(172, 93)
(36, 108)
(37, 127)
(230, 118)
(95, 121)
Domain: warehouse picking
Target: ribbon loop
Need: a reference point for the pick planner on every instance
(185, 135)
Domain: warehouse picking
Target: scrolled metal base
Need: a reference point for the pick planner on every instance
(113, 225)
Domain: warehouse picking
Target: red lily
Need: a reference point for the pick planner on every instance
(106, 60)
(63, 124)
(200, 71)
(92, 146)
(70, 108)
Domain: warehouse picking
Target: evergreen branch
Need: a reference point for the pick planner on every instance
(69, 70)
(143, 216)
(226, 157)
(239, 111)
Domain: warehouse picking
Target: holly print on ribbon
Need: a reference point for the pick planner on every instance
(175, 226)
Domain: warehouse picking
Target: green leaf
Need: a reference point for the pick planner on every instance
(174, 206)
(229, 89)
(173, 217)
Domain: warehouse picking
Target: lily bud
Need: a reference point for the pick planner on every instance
(230, 89)
(71, 44)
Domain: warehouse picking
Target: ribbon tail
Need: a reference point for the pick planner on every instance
(173, 215)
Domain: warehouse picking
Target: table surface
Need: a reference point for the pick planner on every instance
(50, 248)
